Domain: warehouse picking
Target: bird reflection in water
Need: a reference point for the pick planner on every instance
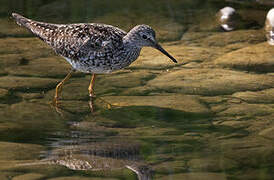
(104, 156)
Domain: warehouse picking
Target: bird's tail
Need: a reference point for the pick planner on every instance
(20, 20)
(31, 25)
(40, 29)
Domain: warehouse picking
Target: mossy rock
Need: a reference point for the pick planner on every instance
(195, 37)
(153, 59)
(258, 58)
(202, 24)
(27, 84)
(9, 60)
(30, 96)
(19, 151)
(264, 96)
(28, 48)
(3, 93)
(211, 164)
(174, 166)
(53, 66)
(243, 109)
(109, 84)
(265, 173)
(9, 28)
(233, 37)
(196, 176)
(166, 29)
(37, 117)
(267, 133)
(254, 15)
(210, 82)
(183, 103)
(29, 176)
(260, 149)
(7, 175)
(82, 178)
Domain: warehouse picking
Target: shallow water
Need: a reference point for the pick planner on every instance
(208, 117)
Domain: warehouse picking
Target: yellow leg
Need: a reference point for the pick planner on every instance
(59, 87)
(91, 85)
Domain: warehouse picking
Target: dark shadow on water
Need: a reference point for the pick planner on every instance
(136, 116)
(37, 129)
(133, 116)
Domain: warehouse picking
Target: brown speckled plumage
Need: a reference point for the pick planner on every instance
(92, 48)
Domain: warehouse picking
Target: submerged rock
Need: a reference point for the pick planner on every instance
(211, 164)
(243, 110)
(41, 67)
(3, 93)
(257, 58)
(185, 103)
(261, 150)
(210, 82)
(82, 178)
(267, 133)
(27, 83)
(196, 176)
(29, 176)
(264, 96)
(108, 84)
(242, 38)
(8, 28)
(20, 151)
(18, 48)
(153, 60)
(196, 120)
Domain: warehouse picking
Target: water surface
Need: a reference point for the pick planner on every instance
(208, 117)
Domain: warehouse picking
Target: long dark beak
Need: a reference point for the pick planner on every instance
(157, 46)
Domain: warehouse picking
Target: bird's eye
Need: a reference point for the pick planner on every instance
(144, 37)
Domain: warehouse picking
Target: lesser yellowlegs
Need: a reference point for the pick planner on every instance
(92, 48)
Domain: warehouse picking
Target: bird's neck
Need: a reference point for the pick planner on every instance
(130, 51)
(130, 40)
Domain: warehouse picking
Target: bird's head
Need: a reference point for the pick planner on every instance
(144, 35)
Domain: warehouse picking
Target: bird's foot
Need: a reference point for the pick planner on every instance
(104, 102)
(92, 95)
(55, 102)
(91, 103)
(108, 105)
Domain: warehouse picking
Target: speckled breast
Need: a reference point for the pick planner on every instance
(103, 66)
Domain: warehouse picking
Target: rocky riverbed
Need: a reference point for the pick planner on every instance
(211, 115)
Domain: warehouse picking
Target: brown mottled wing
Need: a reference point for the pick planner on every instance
(75, 40)
(89, 40)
